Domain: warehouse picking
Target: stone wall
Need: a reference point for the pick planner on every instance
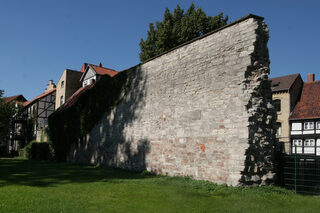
(201, 110)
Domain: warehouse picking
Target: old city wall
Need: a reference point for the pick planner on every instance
(201, 110)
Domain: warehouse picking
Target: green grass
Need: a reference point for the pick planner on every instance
(39, 186)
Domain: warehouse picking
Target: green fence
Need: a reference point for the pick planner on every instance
(300, 173)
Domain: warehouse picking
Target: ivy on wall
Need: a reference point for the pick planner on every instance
(69, 125)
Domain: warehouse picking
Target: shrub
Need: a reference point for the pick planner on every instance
(38, 151)
(3, 150)
(21, 152)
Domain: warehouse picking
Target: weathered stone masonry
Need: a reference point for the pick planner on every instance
(201, 110)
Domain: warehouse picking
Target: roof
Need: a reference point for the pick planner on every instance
(308, 107)
(40, 96)
(104, 71)
(98, 69)
(17, 98)
(25, 103)
(73, 99)
(283, 83)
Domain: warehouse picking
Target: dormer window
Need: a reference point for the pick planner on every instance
(308, 125)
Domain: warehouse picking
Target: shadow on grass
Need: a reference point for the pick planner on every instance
(49, 174)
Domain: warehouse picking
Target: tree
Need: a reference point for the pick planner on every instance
(7, 110)
(177, 28)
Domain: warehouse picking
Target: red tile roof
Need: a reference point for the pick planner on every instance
(98, 69)
(25, 103)
(283, 83)
(104, 71)
(308, 107)
(40, 96)
(17, 98)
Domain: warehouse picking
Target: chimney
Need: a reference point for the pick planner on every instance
(50, 86)
(310, 77)
(100, 65)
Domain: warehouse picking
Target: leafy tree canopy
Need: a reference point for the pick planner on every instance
(176, 28)
(7, 110)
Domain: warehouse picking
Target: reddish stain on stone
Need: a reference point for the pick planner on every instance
(203, 148)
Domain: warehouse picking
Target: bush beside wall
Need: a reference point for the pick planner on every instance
(37, 151)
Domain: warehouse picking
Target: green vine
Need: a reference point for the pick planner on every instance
(69, 125)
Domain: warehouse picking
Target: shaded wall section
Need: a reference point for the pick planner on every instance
(201, 110)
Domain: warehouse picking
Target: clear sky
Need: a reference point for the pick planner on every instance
(39, 39)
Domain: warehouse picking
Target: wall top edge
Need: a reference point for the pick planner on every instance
(207, 34)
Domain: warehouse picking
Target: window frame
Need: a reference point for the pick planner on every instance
(308, 125)
(277, 105)
(309, 140)
(305, 146)
(298, 140)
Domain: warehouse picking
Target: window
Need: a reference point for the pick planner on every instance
(297, 146)
(309, 147)
(278, 133)
(61, 100)
(277, 105)
(309, 142)
(296, 126)
(297, 142)
(308, 125)
(62, 84)
(318, 125)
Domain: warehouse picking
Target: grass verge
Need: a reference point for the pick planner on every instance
(40, 186)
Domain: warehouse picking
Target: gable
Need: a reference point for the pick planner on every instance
(89, 74)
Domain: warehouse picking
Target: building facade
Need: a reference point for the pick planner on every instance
(67, 85)
(31, 122)
(285, 93)
(305, 120)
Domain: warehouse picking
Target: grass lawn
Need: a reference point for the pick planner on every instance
(39, 186)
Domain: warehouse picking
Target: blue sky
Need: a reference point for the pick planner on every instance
(39, 39)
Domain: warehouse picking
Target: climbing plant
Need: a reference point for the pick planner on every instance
(70, 124)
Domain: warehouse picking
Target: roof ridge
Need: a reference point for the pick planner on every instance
(312, 82)
(283, 76)
(104, 67)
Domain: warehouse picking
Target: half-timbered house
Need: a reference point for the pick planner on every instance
(305, 120)
(32, 119)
